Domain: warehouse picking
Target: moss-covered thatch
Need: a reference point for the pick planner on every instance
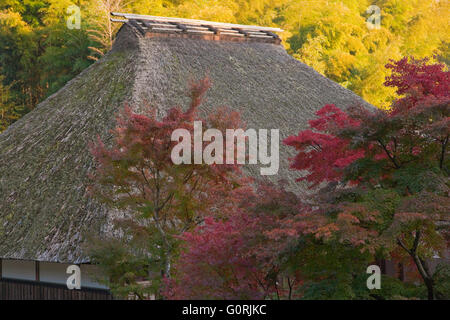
(44, 161)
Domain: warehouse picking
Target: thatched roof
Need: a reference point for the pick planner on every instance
(44, 161)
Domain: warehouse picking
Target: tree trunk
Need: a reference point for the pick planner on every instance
(420, 264)
(430, 289)
(167, 264)
(425, 274)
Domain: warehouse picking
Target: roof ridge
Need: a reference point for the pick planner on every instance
(150, 26)
(193, 21)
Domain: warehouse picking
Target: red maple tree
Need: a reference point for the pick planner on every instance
(136, 173)
(398, 159)
(237, 255)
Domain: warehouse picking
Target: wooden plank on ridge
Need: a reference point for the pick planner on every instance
(194, 22)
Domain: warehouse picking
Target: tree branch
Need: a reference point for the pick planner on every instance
(401, 244)
(392, 158)
(444, 146)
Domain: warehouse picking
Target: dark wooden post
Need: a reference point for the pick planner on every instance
(400, 271)
(37, 277)
(213, 29)
(180, 26)
(242, 31)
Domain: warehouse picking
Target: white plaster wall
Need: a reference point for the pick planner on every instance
(18, 269)
(49, 272)
(53, 272)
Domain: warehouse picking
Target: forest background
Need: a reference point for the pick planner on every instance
(339, 39)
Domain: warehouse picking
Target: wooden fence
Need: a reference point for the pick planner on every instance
(32, 290)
